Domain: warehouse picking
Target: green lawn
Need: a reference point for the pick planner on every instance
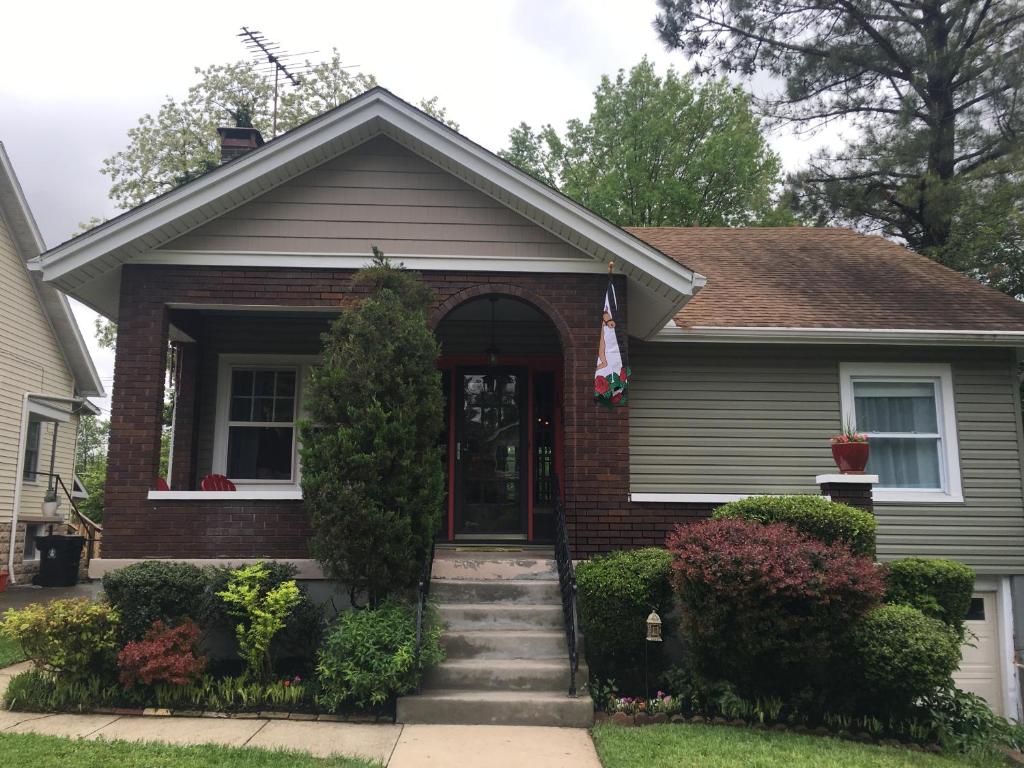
(10, 652)
(702, 746)
(31, 751)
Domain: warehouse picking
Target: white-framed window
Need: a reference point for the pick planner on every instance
(908, 413)
(31, 552)
(258, 407)
(33, 439)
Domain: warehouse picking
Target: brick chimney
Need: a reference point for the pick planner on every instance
(235, 142)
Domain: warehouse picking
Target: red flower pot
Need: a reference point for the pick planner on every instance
(3, 581)
(851, 458)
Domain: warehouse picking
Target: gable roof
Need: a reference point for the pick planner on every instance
(827, 284)
(29, 244)
(88, 266)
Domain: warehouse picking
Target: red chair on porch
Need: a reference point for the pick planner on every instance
(161, 484)
(216, 483)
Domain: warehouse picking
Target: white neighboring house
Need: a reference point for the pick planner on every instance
(46, 374)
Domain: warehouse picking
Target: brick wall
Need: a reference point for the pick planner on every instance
(596, 440)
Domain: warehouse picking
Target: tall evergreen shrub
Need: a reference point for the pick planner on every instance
(371, 464)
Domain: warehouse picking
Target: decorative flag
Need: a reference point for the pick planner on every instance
(612, 378)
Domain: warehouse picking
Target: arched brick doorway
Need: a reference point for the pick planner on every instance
(502, 363)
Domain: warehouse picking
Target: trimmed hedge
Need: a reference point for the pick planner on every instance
(152, 591)
(616, 594)
(938, 588)
(814, 516)
(902, 655)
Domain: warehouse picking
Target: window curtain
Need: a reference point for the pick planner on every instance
(900, 408)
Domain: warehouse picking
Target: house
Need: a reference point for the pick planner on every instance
(748, 349)
(46, 374)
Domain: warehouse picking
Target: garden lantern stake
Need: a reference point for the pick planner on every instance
(653, 636)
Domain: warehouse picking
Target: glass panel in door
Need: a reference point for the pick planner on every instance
(490, 453)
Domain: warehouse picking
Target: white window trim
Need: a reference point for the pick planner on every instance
(225, 364)
(949, 464)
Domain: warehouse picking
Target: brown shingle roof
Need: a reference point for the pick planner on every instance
(801, 277)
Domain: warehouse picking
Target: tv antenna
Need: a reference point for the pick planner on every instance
(276, 61)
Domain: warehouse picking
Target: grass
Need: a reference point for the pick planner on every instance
(32, 751)
(10, 652)
(702, 746)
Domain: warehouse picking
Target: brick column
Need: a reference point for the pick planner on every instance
(854, 490)
(183, 471)
(137, 412)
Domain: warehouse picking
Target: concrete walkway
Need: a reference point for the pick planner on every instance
(395, 746)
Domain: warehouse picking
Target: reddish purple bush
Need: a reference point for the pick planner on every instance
(765, 607)
(164, 655)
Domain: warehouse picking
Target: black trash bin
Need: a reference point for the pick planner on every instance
(59, 557)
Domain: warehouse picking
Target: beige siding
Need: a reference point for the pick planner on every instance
(30, 361)
(377, 194)
(737, 419)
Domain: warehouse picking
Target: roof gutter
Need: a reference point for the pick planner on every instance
(799, 335)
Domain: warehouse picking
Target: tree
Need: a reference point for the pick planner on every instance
(659, 151)
(91, 463)
(930, 89)
(372, 477)
(180, 142)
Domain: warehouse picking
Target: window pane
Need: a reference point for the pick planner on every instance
(285, 383)
(263, 409)
(32, 439)
(241, 383)
(241, 409)
(895, 406)
(905, 462)
(260, 453)
(284, 409)
(264, 382)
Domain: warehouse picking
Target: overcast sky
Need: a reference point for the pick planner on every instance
(76, 76)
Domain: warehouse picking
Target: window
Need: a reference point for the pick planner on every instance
(906, 410)
(31, 531)
(261, 423)
(32, 439)
(258, 404)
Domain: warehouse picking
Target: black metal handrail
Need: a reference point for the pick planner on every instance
(423, 593)
(94, 531)
(567, 584)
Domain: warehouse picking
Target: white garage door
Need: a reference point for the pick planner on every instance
(979, 666)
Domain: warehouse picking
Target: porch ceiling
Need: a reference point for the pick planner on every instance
(88, 267)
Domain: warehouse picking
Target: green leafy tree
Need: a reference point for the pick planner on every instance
(180, 142)
(931, 91)
(660, 151)
(371, 465)
(91, 463)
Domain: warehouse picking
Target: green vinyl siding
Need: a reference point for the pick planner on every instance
(737, 419)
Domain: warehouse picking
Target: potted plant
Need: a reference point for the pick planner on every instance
(50, 502)
(850, 451)
(3, 580)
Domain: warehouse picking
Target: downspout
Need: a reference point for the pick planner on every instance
(20, 466)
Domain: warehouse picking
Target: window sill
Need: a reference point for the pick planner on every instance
(883, 496)
(248, 495)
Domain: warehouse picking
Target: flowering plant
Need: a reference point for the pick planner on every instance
(661, 704)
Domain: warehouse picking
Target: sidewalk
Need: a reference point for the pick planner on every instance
(395, 746)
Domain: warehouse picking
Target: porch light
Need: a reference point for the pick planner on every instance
(654, 627)
(492, 350)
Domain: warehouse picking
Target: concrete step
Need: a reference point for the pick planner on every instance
(504, 674)
(483, 566)
(501, 616)
(521, 591)
(505, 644)
(496, 708)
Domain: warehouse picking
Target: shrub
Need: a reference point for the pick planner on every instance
(965, 723)
(40, 691)
(900, 655)
(369, 657)
(941, 589)
(300, 638)
(74, 638)
(164, 655)
(372, 478)
(763, 606)
(261, 611)
(153, 591)
(814, 516)
(616, 594)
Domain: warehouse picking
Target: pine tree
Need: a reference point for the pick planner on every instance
(371, 464)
